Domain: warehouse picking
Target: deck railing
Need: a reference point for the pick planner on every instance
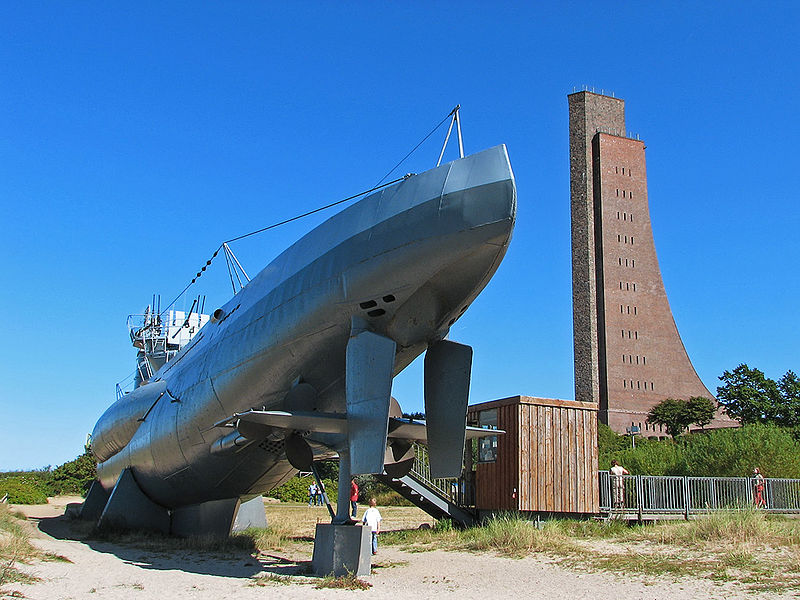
(457, 490)
(651, 494)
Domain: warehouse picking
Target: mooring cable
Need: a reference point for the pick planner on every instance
(376, 187)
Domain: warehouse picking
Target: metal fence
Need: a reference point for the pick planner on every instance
(651, 494)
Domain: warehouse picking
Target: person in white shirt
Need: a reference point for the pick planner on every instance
(372, 518)
(618, 483)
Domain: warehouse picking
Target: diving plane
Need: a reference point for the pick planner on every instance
(298, 365)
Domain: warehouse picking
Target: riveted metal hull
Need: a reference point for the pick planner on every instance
(407, 261)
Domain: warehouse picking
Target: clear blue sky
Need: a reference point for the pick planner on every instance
(136, 137)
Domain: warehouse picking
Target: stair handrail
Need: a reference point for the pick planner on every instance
(421, 470)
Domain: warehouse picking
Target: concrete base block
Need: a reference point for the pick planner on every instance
(213, 518)
(250, 514)
(342, 549)
(95, 502)
(129, 508)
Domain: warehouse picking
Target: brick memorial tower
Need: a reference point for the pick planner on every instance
(628, 353)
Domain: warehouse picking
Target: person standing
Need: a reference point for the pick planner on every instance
(372, 518)
(320, 494)
(353, 497)
(618, 483)
(312, 494)
(758, 489)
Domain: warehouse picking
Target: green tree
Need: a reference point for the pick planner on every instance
(700, 410)
(751, 397)
(75, 476)
(789, 387)
(673, 414)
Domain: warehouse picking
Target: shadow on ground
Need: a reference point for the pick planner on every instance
(164, 553)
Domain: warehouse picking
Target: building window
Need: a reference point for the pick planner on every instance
(487, 446)
(636, 334)
(624, 384)
(631, 240)
(634, 310)
(617, 192)
(623, 334)
(633, 263)
(644, 360)
(634, 287)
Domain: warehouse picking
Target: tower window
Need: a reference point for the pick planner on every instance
(634, 310)
(617, 192)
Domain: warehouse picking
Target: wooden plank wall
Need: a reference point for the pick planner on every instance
(495, 482)
(549, 454)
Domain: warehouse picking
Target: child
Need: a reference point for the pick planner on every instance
(372, 517)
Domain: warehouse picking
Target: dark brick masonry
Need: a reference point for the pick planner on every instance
(628, 353)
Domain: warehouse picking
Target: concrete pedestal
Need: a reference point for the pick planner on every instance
(342, 549)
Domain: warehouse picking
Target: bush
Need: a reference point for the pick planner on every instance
(75, 476)
(734, 452)
(296, 489)
(719, 453)
(23, 489)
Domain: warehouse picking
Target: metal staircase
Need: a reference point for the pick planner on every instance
(440, 498)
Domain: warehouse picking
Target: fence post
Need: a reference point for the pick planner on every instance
(639, 497)
(686, 503)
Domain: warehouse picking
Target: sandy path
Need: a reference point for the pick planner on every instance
(101, 570)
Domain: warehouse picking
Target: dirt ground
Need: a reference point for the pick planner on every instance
(103, 570)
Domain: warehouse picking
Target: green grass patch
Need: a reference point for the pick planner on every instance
(345, 582)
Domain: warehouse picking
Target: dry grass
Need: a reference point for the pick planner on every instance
(345, 582)
(15, 548)
(744, 546)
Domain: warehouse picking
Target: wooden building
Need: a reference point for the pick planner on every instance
(546, 462)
